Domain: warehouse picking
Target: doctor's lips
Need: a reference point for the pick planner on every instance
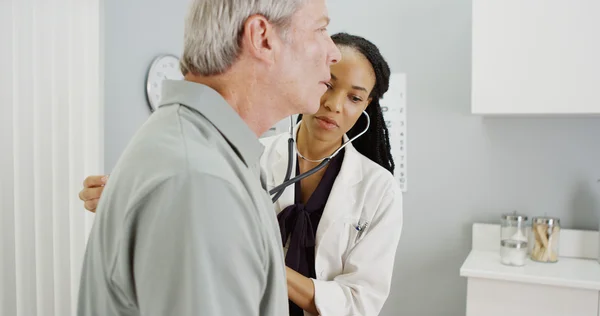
(326, 122)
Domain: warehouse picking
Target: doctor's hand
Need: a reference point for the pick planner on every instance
(301, 291)
(92, 190)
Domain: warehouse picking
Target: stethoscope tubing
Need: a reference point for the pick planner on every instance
(278, 190)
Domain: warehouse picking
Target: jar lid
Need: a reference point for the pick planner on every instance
(514, 217)
(546, 220)
(511, 243)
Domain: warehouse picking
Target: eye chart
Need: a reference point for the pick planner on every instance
(393, 106)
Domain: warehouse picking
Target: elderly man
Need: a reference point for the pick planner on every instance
(185, 226)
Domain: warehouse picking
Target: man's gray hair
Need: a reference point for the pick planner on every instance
(213, 29)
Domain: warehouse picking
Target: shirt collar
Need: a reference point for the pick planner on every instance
(210, 104)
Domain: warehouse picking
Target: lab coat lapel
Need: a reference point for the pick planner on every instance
(343, 196)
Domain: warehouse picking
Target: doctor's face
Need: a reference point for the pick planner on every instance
(347, 96)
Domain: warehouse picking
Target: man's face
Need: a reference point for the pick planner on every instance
(304, 60)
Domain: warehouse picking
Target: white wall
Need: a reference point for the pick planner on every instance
(51, 135)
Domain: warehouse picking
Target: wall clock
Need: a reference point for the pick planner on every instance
(162, 67)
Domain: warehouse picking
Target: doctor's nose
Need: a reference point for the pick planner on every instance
(334, 103)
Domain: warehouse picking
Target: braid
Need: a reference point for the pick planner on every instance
(375, 142)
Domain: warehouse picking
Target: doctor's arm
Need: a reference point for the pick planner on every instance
(301, 291)
(363, 286)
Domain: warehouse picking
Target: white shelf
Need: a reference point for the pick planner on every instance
(568, 287)
(567, 272)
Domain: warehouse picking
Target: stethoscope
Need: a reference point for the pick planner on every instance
(278, 190)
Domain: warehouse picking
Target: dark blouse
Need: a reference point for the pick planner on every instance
(299, 222)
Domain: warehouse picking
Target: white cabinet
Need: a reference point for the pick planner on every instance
(487, 297)
(532, 57)
(570, 287)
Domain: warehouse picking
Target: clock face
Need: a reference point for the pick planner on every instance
(162, 67)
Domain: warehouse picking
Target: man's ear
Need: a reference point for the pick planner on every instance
(259, 38)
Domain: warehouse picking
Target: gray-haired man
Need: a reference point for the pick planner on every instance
(185, 226)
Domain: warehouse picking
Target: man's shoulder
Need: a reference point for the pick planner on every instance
(207, 152)
(198, 182)
(173, 139)
(171, 148)
(208, 172)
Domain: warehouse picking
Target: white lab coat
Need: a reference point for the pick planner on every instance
(354, 272)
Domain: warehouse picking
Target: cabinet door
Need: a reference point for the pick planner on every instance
(500, 298)
(535, 57)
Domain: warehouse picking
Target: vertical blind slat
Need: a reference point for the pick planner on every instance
(23, 161)
(76, 144)
(42, 126)
(8, 298)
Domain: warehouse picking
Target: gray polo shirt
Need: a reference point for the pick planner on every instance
(185, 226)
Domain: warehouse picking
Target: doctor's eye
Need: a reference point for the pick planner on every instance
(355, 99)
(329, 86)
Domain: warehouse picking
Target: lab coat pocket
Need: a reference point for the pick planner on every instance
(360, 227)
(355, 228)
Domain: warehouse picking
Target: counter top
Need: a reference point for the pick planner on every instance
(567, 272)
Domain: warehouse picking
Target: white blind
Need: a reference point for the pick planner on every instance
(51, 137)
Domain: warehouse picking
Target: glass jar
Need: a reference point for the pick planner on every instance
(546, 237)
(513, 252)
(514, 227)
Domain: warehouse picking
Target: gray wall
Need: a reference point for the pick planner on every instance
(135, 32)
(461, 168)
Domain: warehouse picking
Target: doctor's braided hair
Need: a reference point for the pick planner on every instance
(375, 142)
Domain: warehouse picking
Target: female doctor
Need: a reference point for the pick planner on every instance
(341, 225)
